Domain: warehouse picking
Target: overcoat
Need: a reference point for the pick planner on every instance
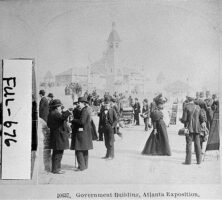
(58, 134)
(75, 127)
(43, 108)
(83, 140)
(192, 117)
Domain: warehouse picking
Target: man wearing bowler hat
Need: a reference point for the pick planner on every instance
(43, 106)
(83, 136)
(58, 135)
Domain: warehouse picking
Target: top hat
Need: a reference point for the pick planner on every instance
(50, 95)
(42, 92)
(82, 99)
(56, 103)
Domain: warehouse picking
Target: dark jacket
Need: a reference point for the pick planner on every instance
(58, 135)
(110, 119)
(83, 140)
(136, 108)
(192, 117)
(215, 106)
(43, 108)
(50, 105)
(34, 126)
(75, 127)
(209, 111)
(76, 115)
(145, 111)
(100, 130)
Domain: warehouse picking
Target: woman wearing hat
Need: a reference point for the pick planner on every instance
(158, 143)
(83, 136)
(58, 135)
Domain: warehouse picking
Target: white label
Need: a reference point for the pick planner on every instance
(17, 119)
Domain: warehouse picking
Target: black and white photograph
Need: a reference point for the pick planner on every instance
(123, 100)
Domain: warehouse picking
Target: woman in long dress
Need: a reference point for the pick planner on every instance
(214, 135)
(158, 143)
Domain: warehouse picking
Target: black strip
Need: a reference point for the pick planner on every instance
(215, 146)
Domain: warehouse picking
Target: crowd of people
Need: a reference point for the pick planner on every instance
(83, 131)
(200, 118)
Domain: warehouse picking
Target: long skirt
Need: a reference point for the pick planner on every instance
(158, 144)
(214, 135)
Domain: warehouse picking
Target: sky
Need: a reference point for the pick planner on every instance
(178, 38)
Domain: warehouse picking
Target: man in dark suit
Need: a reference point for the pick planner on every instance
(136, 108)
(108, 122)
(58, 135)
(192, 121)
(43, 106)
(83, 140)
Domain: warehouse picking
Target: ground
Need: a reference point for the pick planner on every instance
(130, 167)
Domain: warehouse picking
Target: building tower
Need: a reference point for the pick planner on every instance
(111, 59)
